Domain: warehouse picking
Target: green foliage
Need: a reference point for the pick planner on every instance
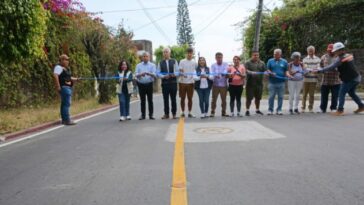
(177, 52)
(22, 29)
(300, 23)
(28, 81)
(184, 30)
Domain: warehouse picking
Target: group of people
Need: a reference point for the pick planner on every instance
(340, 76)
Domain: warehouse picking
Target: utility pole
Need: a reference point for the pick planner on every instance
(257, 26)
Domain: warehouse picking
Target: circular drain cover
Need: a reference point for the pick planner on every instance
(213, 130)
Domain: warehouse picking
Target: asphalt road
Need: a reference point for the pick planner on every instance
(280, 160)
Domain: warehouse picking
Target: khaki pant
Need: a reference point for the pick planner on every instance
(186, 89)
(215, 93)
(308, 89)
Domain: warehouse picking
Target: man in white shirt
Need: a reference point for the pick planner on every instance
(186, 83)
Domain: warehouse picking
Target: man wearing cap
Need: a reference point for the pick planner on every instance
(349, 75)
(330, 82)
(64, 83)
(310, 62)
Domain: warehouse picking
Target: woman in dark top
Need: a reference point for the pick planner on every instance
(124, 89)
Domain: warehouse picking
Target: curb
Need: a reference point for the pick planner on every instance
(44, 126)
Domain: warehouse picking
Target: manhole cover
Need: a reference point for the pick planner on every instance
(213, 130)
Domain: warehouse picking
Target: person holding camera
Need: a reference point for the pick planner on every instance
(236, 75)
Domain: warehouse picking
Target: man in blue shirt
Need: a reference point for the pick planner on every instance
(145, 74)
(278, 71)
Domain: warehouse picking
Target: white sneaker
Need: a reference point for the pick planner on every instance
(122, 118)
(279, 113)
(128, 117)
(203, 115)
(270, 112)
(238, 114)
(232, 114)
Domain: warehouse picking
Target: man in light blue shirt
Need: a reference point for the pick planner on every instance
(278, 70)
(219, 70)
(145, 74)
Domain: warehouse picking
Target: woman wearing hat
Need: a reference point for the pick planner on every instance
(349, 76)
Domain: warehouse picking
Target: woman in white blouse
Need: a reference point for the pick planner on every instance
(203, 83)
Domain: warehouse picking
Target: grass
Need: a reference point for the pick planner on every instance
(12, 120)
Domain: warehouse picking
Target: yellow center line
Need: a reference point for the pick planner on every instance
(179, 190)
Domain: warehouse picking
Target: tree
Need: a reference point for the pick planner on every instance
(184, 30)
(22, 29)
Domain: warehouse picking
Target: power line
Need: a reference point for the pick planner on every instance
(163, 17)
(157, 7)
(155, 23)
(216, 17)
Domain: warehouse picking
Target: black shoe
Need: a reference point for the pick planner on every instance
(165, 117)
(142, 118)
(291, 111)
(296, 111)
(247, 113)
(258, 112)
(69, 123)
(151, 118)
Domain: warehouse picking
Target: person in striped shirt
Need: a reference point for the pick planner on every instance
(310, 62)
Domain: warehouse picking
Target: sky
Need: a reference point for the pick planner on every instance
(212, 21)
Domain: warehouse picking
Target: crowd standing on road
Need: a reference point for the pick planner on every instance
(339, 77)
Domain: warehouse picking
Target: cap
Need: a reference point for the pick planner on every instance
(338, 46)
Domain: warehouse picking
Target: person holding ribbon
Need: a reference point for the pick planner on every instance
(146, 74)
(187, 68)
(295, 83)
(167, 69)
(277, 67)
(237, 74)
(64, 83)
(349, 75)
(124, 89)
(219, 87)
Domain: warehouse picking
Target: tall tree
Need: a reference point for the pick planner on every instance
(184, 30)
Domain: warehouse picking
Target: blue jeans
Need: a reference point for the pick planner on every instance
(204, 97)
(124, 104)
(66, 96)
(276, 89)
(325, 91)
(349, 87)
